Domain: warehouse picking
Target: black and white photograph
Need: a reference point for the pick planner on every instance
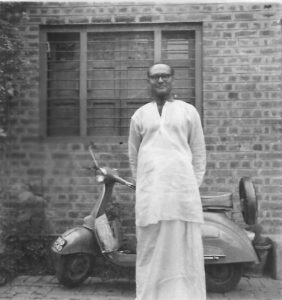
(141, 150)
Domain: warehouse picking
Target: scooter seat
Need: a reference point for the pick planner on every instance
(217, 201)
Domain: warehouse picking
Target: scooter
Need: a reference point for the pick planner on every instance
(228, 248)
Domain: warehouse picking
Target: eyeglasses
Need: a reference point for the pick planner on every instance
(156, 77)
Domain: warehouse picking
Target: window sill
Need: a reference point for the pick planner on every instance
(89, 139)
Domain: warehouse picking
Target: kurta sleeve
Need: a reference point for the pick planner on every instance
(134, 141)
(198, 148)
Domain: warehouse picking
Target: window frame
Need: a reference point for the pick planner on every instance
(157, 28)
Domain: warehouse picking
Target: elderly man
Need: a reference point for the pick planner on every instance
(167, 157)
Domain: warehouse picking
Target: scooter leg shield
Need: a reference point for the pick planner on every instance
(76, 240)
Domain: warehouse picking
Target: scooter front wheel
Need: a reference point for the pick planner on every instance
(73, 269)
(222, 278)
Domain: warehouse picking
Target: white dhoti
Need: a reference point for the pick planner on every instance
(170, 262)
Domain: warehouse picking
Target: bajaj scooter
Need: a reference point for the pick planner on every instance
(227, 247)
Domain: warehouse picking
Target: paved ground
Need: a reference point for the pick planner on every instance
(47, 288)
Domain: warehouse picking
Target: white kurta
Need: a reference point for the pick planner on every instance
(168, 152)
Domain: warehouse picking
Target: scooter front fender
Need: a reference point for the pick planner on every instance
(225, 242)
(76, 240)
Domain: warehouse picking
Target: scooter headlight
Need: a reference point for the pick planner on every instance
(100, 178)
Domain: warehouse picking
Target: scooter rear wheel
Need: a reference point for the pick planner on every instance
(73, 269)
(221, 278)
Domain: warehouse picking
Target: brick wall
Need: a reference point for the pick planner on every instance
(241, 108)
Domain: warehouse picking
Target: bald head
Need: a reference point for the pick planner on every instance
(151, 69)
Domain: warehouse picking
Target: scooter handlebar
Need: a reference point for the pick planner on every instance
(125, 182)
(114, 175)
(104, 172)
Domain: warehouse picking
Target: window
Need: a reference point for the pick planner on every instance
(94, 78)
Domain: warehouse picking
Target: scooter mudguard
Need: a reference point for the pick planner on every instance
(76, 240)
(225, 242)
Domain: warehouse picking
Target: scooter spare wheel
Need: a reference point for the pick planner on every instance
(248, 200)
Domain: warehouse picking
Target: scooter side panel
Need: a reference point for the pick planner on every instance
(77, 240)
(226, 241)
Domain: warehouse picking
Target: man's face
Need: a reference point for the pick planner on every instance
(160, 80)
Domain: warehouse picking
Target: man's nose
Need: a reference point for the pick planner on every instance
(160, 79)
